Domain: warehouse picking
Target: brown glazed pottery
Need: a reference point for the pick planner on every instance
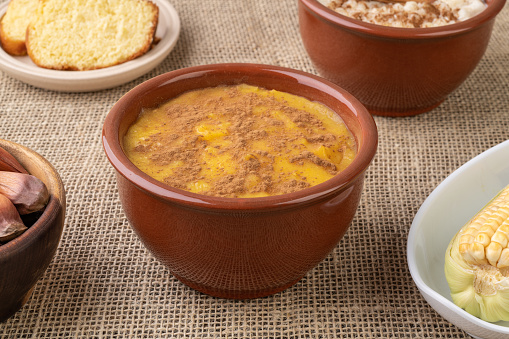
(24, 259)
(239, 247)
(394, 71)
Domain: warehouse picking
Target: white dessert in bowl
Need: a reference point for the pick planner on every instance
(410, 14)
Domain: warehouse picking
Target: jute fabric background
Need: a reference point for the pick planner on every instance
(103, 283)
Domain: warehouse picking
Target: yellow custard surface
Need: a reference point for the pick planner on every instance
(240, 141)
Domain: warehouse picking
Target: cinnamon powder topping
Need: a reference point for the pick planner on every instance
(240, 141)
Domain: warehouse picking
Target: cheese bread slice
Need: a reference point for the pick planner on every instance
(13, 25)
(90, 34)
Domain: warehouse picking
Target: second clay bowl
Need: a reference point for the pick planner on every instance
(394, 71)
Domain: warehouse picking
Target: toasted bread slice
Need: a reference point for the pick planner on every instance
(13, 25)
(84, 35)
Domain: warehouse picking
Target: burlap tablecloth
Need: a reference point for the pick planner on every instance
(103, 283)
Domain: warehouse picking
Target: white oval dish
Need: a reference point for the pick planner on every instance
(455, 201)
(23, 69)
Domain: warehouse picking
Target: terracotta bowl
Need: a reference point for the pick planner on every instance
(24, 259)
(229, 247)
(394, 71)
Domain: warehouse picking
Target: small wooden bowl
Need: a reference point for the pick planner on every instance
(25, 259)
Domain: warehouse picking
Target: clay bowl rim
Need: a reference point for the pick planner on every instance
(56, 202)
(333, 18)
(367, 145)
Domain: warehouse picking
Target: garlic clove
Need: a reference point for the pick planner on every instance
(11, 224)
(9, 163)
(27, 193)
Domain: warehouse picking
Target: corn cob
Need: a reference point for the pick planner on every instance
(477, 262)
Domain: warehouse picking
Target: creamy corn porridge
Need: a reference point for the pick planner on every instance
(240, 141)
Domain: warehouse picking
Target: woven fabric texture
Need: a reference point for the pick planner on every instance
(103, 283)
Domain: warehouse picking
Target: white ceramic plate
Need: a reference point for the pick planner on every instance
(23, 69)
(455, 201)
